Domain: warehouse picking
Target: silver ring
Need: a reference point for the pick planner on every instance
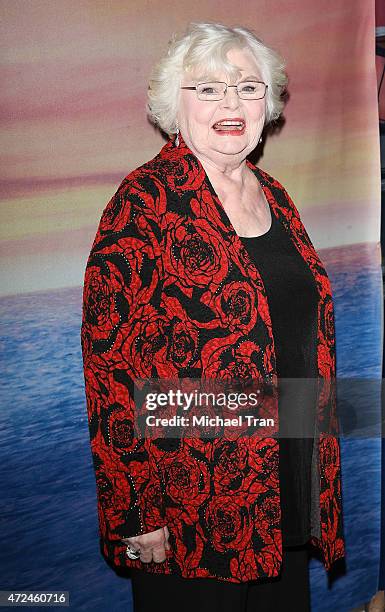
(132, 553)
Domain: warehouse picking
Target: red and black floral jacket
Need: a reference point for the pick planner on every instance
(170, 291)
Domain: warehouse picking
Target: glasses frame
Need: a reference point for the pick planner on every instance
(192, 87)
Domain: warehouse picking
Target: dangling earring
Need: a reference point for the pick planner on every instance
(260, 140)
(177, 137)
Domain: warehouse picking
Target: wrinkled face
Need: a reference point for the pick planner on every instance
(199, 121)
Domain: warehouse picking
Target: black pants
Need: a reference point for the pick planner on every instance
(168, 593)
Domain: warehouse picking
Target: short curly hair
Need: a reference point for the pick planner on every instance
(203, 47)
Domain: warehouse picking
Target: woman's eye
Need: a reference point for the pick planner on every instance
(209, 90)
(249, 88)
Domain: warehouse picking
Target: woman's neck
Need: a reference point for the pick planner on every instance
(230, 174)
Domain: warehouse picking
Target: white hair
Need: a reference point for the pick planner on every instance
(202, 49)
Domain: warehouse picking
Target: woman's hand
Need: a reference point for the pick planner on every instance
(152, 545)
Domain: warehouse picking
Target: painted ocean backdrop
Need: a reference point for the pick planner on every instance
(49, 533)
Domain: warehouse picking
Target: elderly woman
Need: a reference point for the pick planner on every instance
(201, 267)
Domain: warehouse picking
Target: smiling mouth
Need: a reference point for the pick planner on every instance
(230, 125)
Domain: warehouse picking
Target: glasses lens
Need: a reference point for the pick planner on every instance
(251, 90)
(211, 91)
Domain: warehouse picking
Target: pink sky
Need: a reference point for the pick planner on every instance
(73, 122)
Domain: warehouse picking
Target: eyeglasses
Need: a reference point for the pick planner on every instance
(247, 90)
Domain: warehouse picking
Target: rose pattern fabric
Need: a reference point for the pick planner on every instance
(170, 291)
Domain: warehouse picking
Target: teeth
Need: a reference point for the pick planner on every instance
(236, 123)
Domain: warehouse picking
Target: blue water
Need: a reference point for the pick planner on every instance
(49, 531)
(357, 291)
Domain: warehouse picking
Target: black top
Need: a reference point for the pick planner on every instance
(293, 301)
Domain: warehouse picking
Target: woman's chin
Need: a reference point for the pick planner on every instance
(230, 146)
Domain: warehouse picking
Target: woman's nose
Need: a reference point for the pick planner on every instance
(231, 99)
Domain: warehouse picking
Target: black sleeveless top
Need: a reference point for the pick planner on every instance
(293, 300)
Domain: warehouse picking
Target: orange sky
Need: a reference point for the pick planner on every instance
(73, 122)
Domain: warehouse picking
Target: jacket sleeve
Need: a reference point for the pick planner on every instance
(121, 312)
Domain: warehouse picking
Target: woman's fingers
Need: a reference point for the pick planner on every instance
(152, 552)
(166, 535)
(146, 554)
(159, 553)
(152, 545)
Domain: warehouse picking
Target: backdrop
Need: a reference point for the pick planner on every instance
(73, 125)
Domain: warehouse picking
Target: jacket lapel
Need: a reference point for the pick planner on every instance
(188, 175)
